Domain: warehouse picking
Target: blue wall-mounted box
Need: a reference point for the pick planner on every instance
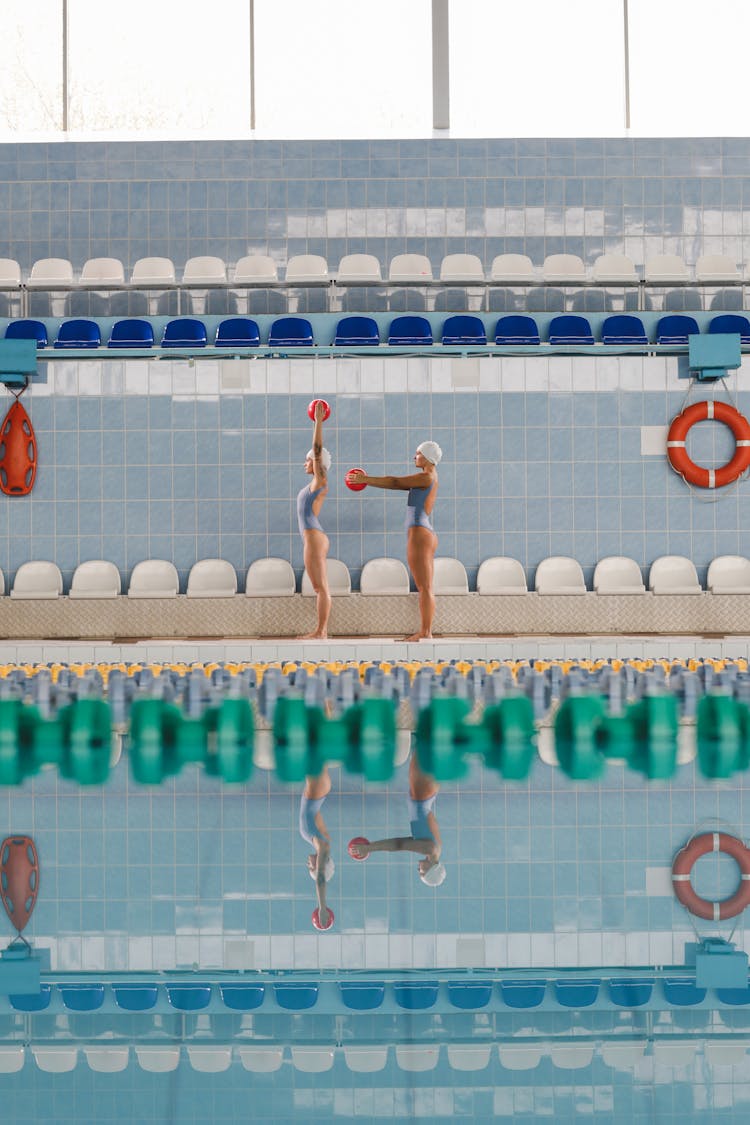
(717, 963)
(711, 356)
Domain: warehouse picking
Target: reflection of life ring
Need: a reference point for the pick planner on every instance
(683, 865)
(696, 474)
(19, 878)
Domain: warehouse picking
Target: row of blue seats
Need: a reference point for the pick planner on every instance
(363, 331)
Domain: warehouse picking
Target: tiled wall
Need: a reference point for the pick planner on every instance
(167, 459)
(230, 198)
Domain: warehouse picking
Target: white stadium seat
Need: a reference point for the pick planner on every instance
(102, 272)
(255, 269)
(450, 577)
(154, 578)
(729, 574)
(673, 574)
(37, 581)
(363, 269)
(463, 269)
(339, 579)
(559, 574)
(270, 578)
(212, 578)
(665, 269)
(618, 575)
(615, 269)
(95, 579)
(384, 577)
(564, 269)
(410, 267)
(513, 269)
(501, 575)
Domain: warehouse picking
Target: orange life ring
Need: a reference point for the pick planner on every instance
(683, 865)
(696, 474)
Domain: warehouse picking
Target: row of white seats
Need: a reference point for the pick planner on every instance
(267, 578)
(365, 269)
(368, 1059)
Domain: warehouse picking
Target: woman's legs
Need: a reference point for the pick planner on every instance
(315, 554)
(420, 554)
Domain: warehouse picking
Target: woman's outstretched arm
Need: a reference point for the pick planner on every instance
(395, 844)
(401, 484)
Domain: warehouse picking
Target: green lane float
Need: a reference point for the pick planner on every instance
(722, 736)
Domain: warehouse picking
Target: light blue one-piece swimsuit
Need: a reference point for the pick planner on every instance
(306, 517)
(308, 810)
(416, 516)
(418, 810)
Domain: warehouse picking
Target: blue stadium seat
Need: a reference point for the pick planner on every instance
(464, 329)
(470, 997)
(682, 991)
(242, 997)
(623, 329)
(296, 997)
(570, 330)
(734, 996)
(361, 996)
(82, 997)
(131, 334)
(238, 332)
(630, 992)
(78, 334)
(675, 329)
(523, 994)
(516, 330)
(184, 333)
(732, 322)
(415, 997)
(135, 997)
(576, 993)
(27, 330)
(291, 332)
(189, 997)
(34, 1002)
(409, 330)
(357, 332)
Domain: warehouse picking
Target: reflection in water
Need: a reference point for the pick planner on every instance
(313, 829)
(425, 833)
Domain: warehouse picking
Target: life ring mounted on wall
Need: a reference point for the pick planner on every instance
(683, 865)
(676, 444)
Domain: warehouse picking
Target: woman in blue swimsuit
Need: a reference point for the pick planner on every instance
(421, 540)
(315, 541)
(312, 828)
(425, 834)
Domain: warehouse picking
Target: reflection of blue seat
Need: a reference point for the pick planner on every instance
(238, 332)
(291, 332)
(361, 996)
(184, 333)
(78, 334)
(296, 997)
(242, 997)
(623, 329)
(357, 332)
(409, 330)
(135, 997)
(734, 996)
(82, 997)
(682, 991)
(516, 330)
(27, 330)
(522, 993)
(464, 329)
(32, 1002)
(470, 996)
(577, 993)
(633, 993)
(570, 330)
(675, 329)
(189, 997)
(131, 334)
(731, 322)
(416, 997)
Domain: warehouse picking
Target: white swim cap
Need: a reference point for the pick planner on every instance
(431, 450)
(328, 871)
(435, 875)
(325, 458)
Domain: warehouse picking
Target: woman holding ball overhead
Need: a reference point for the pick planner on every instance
(421, 540)
(309, 503)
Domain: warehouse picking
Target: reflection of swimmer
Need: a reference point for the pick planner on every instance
(312, 828)
(315, 541)
(421, 540)
(425, 834)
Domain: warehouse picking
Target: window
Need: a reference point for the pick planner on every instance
(31, 71)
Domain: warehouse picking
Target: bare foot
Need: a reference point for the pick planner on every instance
(419, 637)
(313, 637)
